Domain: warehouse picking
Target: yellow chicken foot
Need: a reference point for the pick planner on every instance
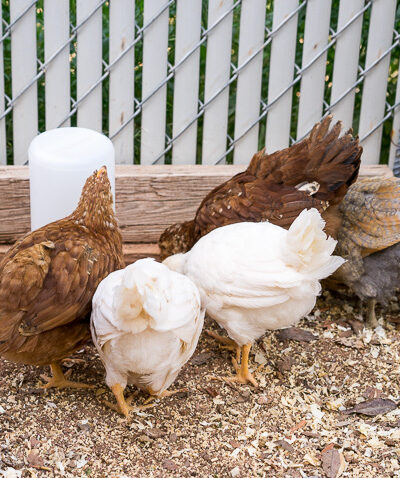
(371, 321)
(58, 379)
(164, 394)
(228, 344)
(123, 406)
(242, 372)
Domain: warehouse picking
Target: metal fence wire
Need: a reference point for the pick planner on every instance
(385, 125)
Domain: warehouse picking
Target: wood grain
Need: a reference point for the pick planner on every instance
(132, 252)
(148, 198)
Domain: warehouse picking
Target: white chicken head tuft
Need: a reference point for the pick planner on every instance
(151, 295)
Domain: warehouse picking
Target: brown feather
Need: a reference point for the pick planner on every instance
(371, 223)
(48, 278)
(267, 191)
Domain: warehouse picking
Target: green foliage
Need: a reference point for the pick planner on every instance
(391, 89)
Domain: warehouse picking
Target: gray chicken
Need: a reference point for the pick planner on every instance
(369, 240)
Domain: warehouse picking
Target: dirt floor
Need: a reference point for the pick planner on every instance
(294, 425)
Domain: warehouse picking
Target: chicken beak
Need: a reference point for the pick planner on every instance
(102, 171)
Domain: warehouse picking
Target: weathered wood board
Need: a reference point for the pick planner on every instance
(148, 199)
(132, 252)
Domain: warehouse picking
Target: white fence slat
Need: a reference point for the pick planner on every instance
(281, 75)
(313, 81)
(375, 84)
(89, 64)
(155, 58)
(395, 127)
(248, 93)
(3, 144)
(57, 84)
(122, 33)
(346, 61)
(218, 63)
(186, 85)
(23, 70)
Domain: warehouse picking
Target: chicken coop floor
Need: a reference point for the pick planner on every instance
(293, 425)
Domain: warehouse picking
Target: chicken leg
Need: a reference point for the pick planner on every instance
(371, 321)
(123, 406)
(58, 379)
(242, 373)
(228, 344)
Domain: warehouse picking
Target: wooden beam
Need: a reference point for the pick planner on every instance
(132, 252)
(148, 198)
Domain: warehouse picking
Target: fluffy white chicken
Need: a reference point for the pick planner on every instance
(146, 322)
(255, 277)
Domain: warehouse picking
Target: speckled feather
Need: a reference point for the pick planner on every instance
(48, 278)
(371, 223)
(381, 275)
(266, 191)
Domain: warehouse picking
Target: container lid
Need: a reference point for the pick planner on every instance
(78, 147)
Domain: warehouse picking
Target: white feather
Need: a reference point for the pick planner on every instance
(146, 322)
(254, 277)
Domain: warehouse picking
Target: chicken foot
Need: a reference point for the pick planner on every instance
(243, 374)
(371, 321)
(122, 406)
(164, 394)
(59, 380)
(227, 343)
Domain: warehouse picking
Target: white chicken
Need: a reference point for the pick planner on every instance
(145, 323)
(255, 277)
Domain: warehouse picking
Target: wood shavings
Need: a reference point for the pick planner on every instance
(206, 438)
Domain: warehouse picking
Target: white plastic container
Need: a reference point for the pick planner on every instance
(60, 161)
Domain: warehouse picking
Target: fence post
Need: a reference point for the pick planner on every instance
(57, 81)
(23, 70)
(375, 83)
(121, 94)
(218, 64)
(155, 58)
(89, 64)
(313, 81)
(248, 92)
(281, 76)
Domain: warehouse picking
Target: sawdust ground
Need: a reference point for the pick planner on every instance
(216, 429)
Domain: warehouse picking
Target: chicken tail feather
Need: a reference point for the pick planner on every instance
(324, 157)
(308, 249)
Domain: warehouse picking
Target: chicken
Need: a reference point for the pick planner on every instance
(146, 323)
(48, 278)
(369, 240)
(255, 277)
(314, 173)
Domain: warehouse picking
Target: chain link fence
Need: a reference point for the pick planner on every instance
(392, 102)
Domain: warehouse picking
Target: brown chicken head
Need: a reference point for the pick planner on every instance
(95, 208)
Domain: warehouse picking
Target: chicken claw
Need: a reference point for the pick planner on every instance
(58, 380)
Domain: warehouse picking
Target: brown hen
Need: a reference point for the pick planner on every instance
(314, 173)
(369, 240)
(48, 278)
